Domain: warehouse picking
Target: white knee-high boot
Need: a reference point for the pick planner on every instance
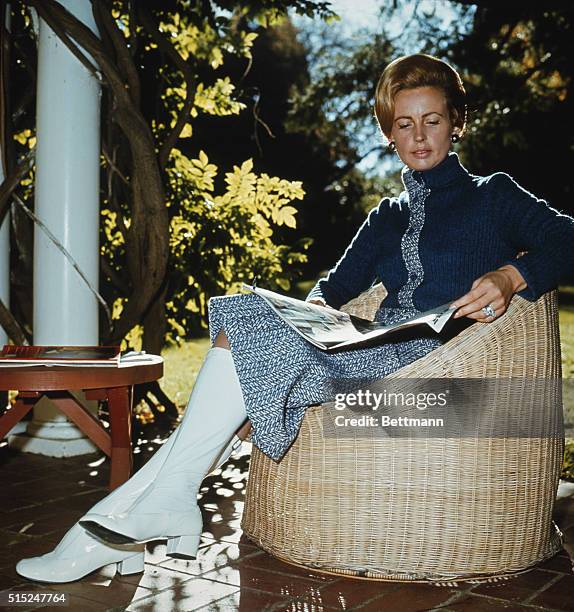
(79, 553)
(168, 509)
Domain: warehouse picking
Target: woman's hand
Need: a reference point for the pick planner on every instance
(494, 289)
(320, 302)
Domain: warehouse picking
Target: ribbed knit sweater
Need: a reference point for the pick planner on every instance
(458, 226)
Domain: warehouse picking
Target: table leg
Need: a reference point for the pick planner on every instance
(119, 405)
(13, 416)
(84, 420)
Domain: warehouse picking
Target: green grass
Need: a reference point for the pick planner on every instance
(567, 341)
(181, 367)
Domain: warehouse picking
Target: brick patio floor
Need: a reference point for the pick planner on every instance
(42, 497)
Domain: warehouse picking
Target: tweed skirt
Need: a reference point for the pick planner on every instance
(281, 374)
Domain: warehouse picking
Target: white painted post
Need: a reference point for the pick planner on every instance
(67, 201)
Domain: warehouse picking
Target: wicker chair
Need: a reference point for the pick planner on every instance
(432, 510)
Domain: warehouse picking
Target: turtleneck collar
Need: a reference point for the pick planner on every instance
(448, 171)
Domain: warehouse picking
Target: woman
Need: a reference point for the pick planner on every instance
(449, 236)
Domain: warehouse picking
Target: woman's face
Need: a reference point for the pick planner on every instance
(422, 128)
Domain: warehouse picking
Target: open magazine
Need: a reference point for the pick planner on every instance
(331, 329)
(85, 356)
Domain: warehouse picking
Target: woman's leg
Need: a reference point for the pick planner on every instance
(221, 341)
(168, 507)
(78, 553)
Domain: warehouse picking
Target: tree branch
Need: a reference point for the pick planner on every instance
(117, 281)
(190, 82)
(12, 328)
(124, 58)
(11, 182)
(113, 166)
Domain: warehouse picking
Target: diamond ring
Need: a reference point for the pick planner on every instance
(489, 311)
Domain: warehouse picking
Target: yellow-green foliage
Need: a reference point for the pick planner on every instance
(567, 344)
(222, 223)
(567, 341)
(221, 240)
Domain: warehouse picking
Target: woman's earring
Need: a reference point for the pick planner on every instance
(392, 146)
(455, 137)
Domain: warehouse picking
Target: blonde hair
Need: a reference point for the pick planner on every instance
(419, 70)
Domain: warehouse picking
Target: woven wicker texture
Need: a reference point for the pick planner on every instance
(423, 509)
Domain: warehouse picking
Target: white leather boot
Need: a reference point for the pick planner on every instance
(167, 509)
(78, 553)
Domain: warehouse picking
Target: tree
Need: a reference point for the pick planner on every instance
(156, 197)
(516, 62)
(519, 69)
(289, 135)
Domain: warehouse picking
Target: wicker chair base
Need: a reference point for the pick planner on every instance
(436, 580)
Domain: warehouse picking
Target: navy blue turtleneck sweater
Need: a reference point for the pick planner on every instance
(472, 225)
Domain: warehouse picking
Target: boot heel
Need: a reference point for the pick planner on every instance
(183, 547)
(131, 565)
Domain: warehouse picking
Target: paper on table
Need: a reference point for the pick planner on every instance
(126, 361)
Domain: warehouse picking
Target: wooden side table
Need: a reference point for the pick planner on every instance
(113, 384)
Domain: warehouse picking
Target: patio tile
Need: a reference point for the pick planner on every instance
(262, 580)
(156, 578)
(516, 589)
(224, 530)
(410, 597)
(155, 552)
(214, 555)
(559, 595)
(16, 547)
(6, 582)
(18, 474)
(559, 563)
(17, 496)
(43, 525)
(247, 600)
(271, 563)
(30, 514)
(78, 603)
(190, 595)
(347, 593)
(84, 501)
(103, 589)
(476, 603)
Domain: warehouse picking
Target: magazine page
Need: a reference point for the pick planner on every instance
(323, 327)
(435, 318)
(106, 354)
(126, 360)
(329, 329)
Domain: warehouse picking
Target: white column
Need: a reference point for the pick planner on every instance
(67, 201)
